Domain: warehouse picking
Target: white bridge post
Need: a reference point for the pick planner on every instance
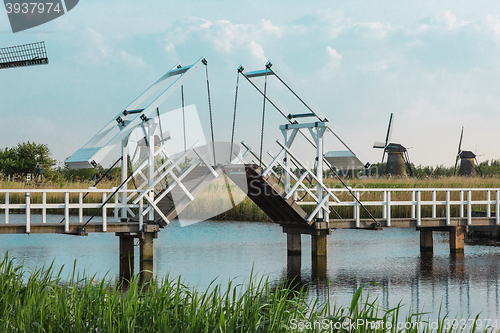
(151, 165)
(7, 206)
(488, 205)
(461, 203)
(469, 207)
(124, 177)
(448, 212)
(497, 208)
(288, 143)
(434, 204)
(384, 205)
(419, 209)
(28, 212)
(388, 208)
(412, 204)
(319, 171)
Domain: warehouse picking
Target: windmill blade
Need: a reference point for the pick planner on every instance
(383, 155)
(406, 157)
(478, 168)
(378, 144)
(456, 163)
(460, 142)
(389, 131)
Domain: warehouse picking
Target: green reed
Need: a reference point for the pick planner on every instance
(40, 300)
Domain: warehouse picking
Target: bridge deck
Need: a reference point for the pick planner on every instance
(58, 228)
(412, 222)
(133, 227)
(266, 193)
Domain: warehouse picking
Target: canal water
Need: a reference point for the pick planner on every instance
(461, 285)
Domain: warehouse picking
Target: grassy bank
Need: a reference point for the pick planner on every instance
(40, 301)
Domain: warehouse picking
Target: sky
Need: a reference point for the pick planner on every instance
(434, 64)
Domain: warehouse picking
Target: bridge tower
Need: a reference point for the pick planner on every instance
(279, 196)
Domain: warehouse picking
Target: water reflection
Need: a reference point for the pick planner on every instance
(462, 285)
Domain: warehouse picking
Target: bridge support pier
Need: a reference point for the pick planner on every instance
(456, 233)
(426, 241)
(126, 257)
(146, 256)
(457, 265)
(319, 264)
(319, 243)
(146, 252)
(293, 267)
(293, 244)
(457, 239)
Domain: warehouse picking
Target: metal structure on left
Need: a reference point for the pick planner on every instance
(135, 114)
(23, 55)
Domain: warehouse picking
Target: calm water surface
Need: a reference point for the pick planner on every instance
(463, 285)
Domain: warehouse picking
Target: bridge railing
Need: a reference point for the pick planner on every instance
(297, 181)
(26, 201)
(418, 201)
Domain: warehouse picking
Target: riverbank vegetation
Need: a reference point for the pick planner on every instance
(40, 300)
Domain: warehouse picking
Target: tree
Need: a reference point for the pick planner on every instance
(24, 157)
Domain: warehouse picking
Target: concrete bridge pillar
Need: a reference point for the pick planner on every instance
(457, 239)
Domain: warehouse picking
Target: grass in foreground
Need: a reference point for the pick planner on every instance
(41, 302)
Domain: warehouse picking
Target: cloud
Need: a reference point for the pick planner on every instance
(257, 51)
(374, 29)
(225, 37)
(98, 41)
(333, 54)
(169, 47)
(335, 58)
(132, 61)
(270, 28)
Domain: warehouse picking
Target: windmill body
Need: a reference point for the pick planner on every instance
(396, 164)
(468, 162)
(398, 161)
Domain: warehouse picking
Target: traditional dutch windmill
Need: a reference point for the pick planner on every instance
(398, 160)
(468, 161)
